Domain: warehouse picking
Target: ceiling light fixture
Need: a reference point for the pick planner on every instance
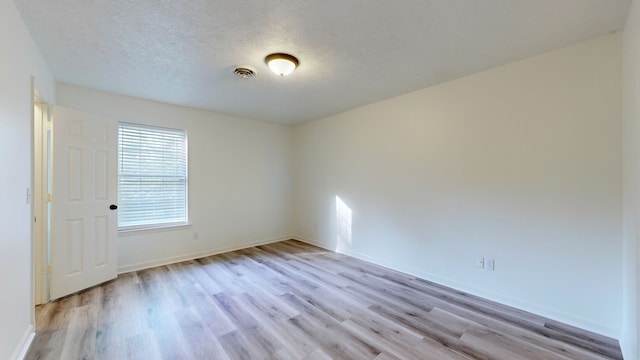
(281, 64)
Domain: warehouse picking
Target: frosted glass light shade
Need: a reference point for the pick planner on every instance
(281, 64)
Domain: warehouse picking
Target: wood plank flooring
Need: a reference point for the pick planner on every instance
(291, 300)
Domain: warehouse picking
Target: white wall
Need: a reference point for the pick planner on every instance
(631, 141)
(521, 163)
(20, 60)
(239, 178)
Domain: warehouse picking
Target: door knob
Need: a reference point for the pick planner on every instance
(113, 207)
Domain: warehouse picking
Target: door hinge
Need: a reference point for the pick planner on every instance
(48, 269)
(49, 198)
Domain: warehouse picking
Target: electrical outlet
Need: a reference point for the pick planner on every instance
(480, 262)
(490, 264)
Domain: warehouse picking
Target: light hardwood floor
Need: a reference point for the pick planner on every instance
(291, 300)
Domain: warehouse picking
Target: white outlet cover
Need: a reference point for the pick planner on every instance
(490, 264)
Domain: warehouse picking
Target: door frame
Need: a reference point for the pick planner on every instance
(41, 150)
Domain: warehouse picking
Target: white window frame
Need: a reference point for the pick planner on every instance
(122, 204)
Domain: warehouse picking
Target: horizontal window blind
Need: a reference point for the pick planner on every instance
(152, 176)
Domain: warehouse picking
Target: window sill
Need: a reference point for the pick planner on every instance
(153, 228)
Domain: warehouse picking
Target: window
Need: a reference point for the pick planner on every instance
(152, 177)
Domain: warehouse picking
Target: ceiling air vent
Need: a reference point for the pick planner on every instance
(244, 72)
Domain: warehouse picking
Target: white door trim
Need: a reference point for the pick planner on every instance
(41, 149)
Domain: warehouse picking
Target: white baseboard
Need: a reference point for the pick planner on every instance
(311, 242)
(197, 255)
(23, 346)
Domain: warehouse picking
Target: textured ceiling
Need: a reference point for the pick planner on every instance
(352, 52)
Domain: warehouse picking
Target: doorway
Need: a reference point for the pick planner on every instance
(42, 147)
(74, 192)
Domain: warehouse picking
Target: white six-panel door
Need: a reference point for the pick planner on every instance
(84, 228)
